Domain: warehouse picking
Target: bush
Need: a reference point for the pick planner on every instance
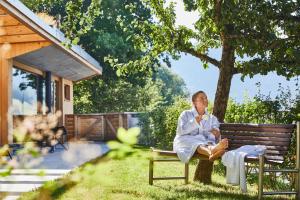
(283, 109)
(159, 125)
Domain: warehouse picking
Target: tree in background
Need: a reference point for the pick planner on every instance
(138, 91)
(264, 34)
(101, 36)
(98, 96)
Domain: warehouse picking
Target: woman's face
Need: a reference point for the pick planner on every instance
(201, 102)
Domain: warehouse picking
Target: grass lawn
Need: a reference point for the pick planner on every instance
(128, 179)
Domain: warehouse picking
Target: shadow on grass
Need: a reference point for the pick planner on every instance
(213, 191)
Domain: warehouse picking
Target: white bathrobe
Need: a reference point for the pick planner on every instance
(190, 134)
(235, 164)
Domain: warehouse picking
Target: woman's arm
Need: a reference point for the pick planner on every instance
(186, 124)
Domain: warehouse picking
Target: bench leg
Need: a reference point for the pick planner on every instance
(186, 173)
(260, 176)
(151, 163)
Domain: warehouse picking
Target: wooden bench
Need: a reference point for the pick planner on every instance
(276, 137)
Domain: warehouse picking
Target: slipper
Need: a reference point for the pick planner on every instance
(216, 155)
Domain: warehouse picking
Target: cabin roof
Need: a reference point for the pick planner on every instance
(19, 24)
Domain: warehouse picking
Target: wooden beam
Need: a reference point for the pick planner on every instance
(15, 30)
(2, 11)
(5, 99)
(7, 20)
(21, 38)
(16, 49)
(31, 69)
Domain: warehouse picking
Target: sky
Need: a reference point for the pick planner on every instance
(196, 78)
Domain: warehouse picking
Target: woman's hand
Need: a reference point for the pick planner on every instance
(215, 132)
(198, 118)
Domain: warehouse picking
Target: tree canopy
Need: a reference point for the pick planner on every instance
(77, 16)
(255, 37)
(102, 37)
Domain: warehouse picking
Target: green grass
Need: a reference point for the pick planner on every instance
(128, 179)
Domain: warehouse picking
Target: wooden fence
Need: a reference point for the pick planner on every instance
(99, 127)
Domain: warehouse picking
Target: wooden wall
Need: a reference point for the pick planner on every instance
(5, 99)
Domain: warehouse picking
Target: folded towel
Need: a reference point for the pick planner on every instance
(235, 164)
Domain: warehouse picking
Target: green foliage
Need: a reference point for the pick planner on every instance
(77, 16)
(159, 125)
(283, 109)
(94, 96)
(77, 21)
(124, 148)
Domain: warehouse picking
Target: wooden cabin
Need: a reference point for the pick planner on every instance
(37, 71)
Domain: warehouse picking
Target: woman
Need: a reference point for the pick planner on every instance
(198, 131)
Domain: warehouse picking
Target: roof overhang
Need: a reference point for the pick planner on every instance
(56, 61)
(71, 63)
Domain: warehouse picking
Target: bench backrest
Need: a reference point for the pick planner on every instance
(276, 137)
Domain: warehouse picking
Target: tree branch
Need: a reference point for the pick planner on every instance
(201, 56)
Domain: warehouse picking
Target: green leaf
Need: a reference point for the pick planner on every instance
(128, 137)
(205, 65)
(114, 145)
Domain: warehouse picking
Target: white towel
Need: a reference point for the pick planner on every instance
(235, 164)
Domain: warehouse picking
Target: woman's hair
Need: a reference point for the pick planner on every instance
(195, 95)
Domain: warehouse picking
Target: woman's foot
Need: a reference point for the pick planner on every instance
(204, 151)
(216, 155)
(222, 145)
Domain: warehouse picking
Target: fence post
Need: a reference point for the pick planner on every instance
(120, 120)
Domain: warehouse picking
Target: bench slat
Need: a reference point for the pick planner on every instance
(259, 134)
(269, 147)
(282, 128)
(256, 138)
(256, 142)
(173, 153)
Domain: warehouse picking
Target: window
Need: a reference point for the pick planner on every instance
(67, 92)
(28, 93)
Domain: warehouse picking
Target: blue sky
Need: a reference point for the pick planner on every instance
(196, 78)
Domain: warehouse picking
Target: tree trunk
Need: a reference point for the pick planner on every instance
(224, 82)
(203, 171)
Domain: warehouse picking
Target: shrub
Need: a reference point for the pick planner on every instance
(159, 125)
